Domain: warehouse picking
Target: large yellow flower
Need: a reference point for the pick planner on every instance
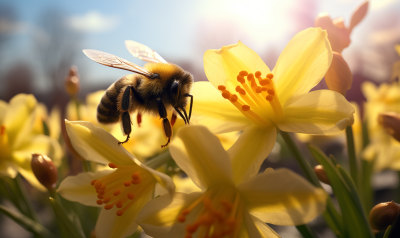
(122, 190)
(233, 202)
(20, 138)
(258, 100)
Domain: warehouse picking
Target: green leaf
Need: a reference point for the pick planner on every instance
(68, 223)
(25, 222)
(355, 223)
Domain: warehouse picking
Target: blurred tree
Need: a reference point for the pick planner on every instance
(56, 46)
(18, 79)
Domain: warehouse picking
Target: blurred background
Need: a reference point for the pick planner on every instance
(41, 40)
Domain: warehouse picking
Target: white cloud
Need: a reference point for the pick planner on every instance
(92, 22)
(380, 4)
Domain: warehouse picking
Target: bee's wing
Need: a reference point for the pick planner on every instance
(143, 52)
(115, 62)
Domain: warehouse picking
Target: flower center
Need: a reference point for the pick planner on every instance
(215, 215)
(253, 95)
(4, 146)
(120, 188)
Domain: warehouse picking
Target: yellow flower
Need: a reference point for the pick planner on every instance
(122, 190)
(233, 202)
(19, 138)
(383, 149)
(260, 100)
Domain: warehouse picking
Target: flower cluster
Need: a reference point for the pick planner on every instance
(215, 178)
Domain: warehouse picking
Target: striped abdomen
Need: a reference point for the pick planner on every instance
(107, 110)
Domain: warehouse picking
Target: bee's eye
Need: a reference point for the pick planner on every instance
(174, 87)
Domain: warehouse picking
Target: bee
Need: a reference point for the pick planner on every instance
(156, 87)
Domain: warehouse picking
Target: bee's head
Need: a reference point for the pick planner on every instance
(179, 87)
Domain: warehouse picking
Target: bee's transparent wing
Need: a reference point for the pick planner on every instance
(143, 52)
(115, 62)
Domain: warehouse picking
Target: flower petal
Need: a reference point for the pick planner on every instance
(95, 144)
(318, 112)
(302, 64)
(250, 150)
(213, 111)
(19, 117)
(78, 188)
(339, 77)
(159, 217)
(200, 154)
(257, 228)
(282, 197)
(111, 225)
(222, 66)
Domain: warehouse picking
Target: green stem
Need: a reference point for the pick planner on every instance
(68, 224)
(366, 185)
(351, 152)
(159, 160)
(332, 217)
(21, 195)
(27, 223)
(306, 167)
(305, 231)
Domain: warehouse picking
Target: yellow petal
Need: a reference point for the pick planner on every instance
(78, 188)
(213, 111)
(302, 64)
(339, 77)
(257, 228)
(3, 106)
(250, 150)
(281, 197)
(200, 154)
(19, 117)
(318, 112)
(111, 225)
(160, 215)
(222, 66)
(95, 144)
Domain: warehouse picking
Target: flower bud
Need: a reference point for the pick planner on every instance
(339, 77)
(383, 214)
(45, 171)
(72, 84)
(391, 122)
(321, 174)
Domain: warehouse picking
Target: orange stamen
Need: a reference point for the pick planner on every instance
(119, 188)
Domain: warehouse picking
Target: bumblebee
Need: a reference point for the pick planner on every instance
(156, 87)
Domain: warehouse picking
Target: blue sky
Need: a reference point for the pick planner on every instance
(179, 30)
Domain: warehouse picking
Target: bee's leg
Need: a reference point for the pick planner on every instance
(186, 116)
(166, 125)
(125, 117)
(126, 125)
(180, 114)
(139, 118)
(191, 105)
(173, 119)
